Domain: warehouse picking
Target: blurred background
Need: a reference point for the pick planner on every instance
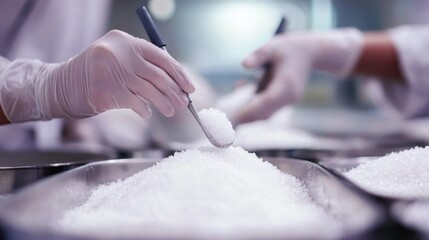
(213, 36)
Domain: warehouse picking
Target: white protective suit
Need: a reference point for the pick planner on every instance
(50, 31)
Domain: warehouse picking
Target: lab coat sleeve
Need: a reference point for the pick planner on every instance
(17, 86)
(3, 63)
(411, 100)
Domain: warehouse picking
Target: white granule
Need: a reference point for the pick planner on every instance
(207, 192)
(403, 174)
(218, 125)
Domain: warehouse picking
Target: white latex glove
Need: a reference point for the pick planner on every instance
(293, 57)
(116, 71)
(182, 127)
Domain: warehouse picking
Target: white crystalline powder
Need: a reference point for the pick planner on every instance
(209, 193)
(275, 137)
(404, 174)
(218, 125)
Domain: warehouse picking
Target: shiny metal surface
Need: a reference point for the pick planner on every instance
(344, 164)
(18, 169)
(27, 214)
(394, 205)
(332, 158)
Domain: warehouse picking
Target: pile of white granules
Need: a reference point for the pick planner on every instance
(218, 125)
(401, 175)
(207, 193)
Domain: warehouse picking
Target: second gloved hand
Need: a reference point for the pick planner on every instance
(293, 57)
(116, 71)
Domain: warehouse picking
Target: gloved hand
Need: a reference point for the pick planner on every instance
(293, 57)
(116, 71)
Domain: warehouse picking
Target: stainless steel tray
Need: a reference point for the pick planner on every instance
(331, 156)
(20, 168)
(310, 154)
(344, 164)
(26, 214)
(397, 228)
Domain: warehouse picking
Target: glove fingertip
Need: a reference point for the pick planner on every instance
(250, 61)
(253, 61)
(191, 87)
(188, 86)
(170, 112)
(144, 112)
(243, 117)
(247, 113)
(258, 108)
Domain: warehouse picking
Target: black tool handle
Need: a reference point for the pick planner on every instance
(268, 73)
(149, 26)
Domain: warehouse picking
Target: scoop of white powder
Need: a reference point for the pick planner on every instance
(218, 125)
(208, 192)
(403, 174)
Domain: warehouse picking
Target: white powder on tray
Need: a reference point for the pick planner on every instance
(403, 174)
(208, 193)
(218, 125)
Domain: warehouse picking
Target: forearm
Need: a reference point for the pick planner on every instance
(379, 58)
(3, 119)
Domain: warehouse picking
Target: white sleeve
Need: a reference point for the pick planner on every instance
(17, 87)
(411, 99)
(3, 63)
